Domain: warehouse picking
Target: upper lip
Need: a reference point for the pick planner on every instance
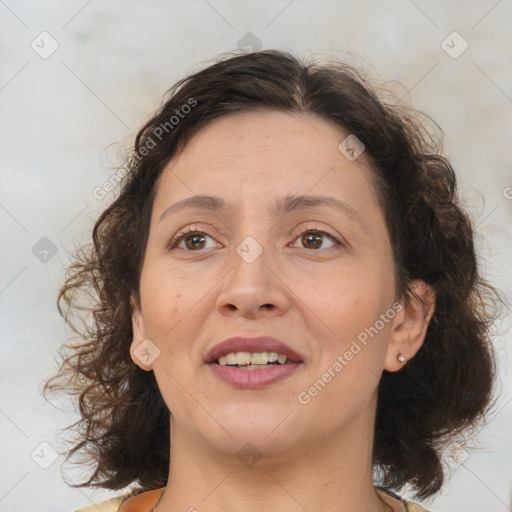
(248, 344)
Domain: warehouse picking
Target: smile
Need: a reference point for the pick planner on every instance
(255, 376)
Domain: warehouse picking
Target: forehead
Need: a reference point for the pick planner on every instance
(264, 134)
(263, 155)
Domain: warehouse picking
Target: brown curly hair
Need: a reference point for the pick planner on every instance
(442, 393)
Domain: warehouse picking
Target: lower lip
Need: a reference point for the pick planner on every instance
(252, 379)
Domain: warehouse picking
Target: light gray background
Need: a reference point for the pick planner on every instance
(64, 119)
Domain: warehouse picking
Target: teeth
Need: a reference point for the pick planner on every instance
(259, 358)
(254, 358)
(272, 357)
(243, 358)
(230, 358)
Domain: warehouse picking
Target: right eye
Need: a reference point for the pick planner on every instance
(191, 240)
(316, 238)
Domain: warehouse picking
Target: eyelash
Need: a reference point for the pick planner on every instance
(183, 234)
(192, 231)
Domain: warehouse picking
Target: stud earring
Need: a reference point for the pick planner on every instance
(401, 358)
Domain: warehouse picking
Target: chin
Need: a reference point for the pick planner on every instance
(256, 416)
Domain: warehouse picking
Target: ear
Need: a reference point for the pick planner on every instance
(141, 348)
(410, 325)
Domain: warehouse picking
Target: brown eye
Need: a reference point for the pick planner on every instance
(192, 240)
(195, 241)
(314, 239)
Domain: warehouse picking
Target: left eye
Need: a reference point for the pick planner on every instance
(313, 239)
(193, 240)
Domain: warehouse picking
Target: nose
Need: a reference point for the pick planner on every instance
(253, 290)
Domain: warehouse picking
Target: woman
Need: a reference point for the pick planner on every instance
(288, 312)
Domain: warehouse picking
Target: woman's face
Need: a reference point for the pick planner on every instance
(299, 251)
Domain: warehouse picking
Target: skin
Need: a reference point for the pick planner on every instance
(314, 456)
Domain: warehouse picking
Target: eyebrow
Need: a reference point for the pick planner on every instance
(289, 204)
(202, 202)
(309, 202)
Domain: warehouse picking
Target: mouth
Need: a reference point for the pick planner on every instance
(246, 353)
(253, 362)
(253, 376)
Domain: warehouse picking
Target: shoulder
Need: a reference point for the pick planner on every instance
(414, 507)
(114, 504)
(111, 505)
(410, 506)
(134, 500)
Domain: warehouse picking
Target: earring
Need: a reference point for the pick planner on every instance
(401, 358)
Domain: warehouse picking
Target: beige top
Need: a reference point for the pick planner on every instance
(144, 502)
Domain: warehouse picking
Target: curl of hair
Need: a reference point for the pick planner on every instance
(442, 393)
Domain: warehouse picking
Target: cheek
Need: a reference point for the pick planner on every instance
(345, 307)
(174, 307)
(349, 298)
(167, 297)
(351, 350)
(169, 315)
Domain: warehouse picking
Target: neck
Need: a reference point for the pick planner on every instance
(334, 473)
